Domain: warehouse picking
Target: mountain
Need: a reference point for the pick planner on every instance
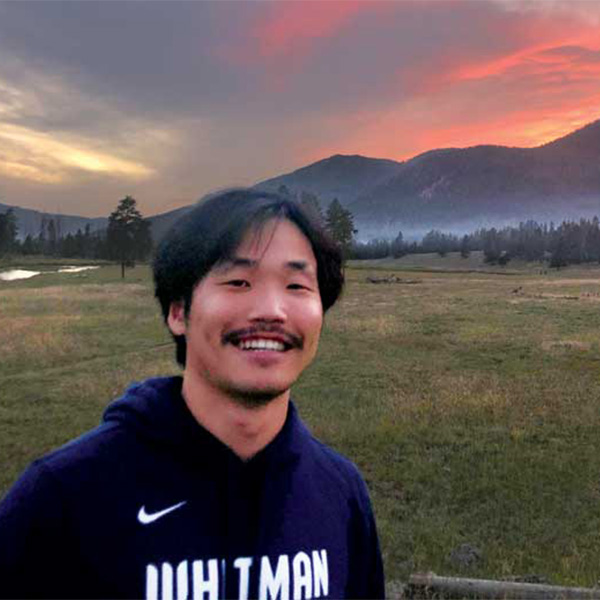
(584, 142)
(160, 224)
(342, 177)
(462, 189)
(339, 176)
(30, 221)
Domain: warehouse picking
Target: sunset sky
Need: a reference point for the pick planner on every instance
(169, 100)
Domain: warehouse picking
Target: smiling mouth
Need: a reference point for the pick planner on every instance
(262, 344)
(271, 340)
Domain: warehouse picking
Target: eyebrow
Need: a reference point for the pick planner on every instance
(238, 261)
(298, 265)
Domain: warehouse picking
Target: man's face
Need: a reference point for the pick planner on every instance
(254, 322)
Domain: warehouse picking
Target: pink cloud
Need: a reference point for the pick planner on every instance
(293, 26)
(537, 37)
(469, 73)
(504, 41)
(543, 84)
(523, 100)
(290, 30)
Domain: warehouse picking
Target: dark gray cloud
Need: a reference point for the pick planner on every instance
(165, 58)
(154, 56)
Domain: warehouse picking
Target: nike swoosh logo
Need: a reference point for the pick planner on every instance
(146, 518)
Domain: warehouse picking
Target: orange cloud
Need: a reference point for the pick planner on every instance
(547, 57)
(539, 37)
(529, 96)
(544, 86)
(402, 135)
(526, 128)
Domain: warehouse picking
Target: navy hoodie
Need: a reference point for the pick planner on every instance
(151, 505)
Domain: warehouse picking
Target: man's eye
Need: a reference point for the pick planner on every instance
(296, 286)
(238, 283)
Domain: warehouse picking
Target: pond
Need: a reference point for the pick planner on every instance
(17, 274)
(14, 274)
(75, 269)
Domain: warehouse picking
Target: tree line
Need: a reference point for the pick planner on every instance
(571, 242)
(126, 239)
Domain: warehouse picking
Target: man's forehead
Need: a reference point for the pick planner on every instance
(258, 240)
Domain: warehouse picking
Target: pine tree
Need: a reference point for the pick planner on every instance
(491, 246)
(398, 248)
(8, 231)
(339, 221)
(128, 235)
(29, 246)
(559, 255)
(465, 249)
(52, 237)
(312, 205)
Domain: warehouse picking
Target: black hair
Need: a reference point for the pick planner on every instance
(212, 231)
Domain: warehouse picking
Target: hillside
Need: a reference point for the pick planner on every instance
(454, 189)
(160, 224)
(466, 188)
(30, 221)
(339, 176)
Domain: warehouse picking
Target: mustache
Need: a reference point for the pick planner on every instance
(236, 335)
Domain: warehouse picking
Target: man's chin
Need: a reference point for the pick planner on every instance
(256, 397)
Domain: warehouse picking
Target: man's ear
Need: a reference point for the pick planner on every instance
(176, 318)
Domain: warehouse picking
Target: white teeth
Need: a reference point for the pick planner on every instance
(262, 345)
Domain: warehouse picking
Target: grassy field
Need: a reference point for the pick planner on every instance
(469, 399)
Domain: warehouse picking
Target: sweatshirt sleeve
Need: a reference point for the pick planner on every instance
(32, 536)
(367, 578)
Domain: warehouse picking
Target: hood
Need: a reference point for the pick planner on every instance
(156, 411)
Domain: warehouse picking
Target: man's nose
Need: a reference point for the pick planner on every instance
(268, 305)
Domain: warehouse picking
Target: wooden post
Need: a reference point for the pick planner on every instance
(425, 585)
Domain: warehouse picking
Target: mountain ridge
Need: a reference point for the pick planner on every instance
(30, 220)
(454, 189)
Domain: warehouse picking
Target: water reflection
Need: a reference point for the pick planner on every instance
(75, 269)
(15, 274)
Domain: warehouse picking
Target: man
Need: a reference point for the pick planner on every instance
(209, 485)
